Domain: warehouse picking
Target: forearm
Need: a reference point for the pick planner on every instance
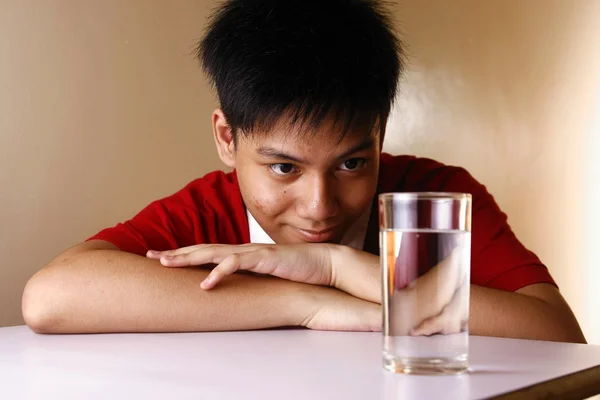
(113, 291)
(356, 272)
(517, 315)
(534, 312)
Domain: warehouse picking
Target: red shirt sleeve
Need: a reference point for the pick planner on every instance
(208, 210)
(164, 224)
(498, 259)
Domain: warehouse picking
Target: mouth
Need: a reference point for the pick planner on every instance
(324, 235)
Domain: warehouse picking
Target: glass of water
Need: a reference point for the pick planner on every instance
(425, 252)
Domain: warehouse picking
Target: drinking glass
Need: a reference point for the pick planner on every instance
(425, 252)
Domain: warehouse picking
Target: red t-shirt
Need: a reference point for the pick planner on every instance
(210, 210)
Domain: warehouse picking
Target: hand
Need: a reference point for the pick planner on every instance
(350, 270)
(334, 310)
(306, 263)
(449, 313)
(452, 319)
(436, 300)
(326, 308)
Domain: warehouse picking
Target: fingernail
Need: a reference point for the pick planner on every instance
(207, 283)
(151, 252)
(165, 259)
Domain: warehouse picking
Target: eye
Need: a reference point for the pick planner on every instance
(282, 169)
(353, 164)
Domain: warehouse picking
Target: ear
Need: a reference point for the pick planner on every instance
(223, 138)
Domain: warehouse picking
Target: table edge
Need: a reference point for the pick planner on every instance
(577, 385)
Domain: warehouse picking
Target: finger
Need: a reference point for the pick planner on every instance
(156, 254)
(228, 266)
(208, 254)
(429, 327)
(255, 261)
(449, 321)
(200, 256)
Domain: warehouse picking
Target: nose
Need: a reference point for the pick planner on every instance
(317, 200)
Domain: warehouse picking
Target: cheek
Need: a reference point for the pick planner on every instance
(357, 196)
(265, 198)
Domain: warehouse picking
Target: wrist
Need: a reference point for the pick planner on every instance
(341, 264)
(302, 301)
(356, 272)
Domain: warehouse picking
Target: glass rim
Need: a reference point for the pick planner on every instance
(425, 196)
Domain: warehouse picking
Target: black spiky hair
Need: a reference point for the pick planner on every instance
(306, 60)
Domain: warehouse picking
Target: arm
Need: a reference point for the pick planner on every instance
(536, 311)
(94, 288)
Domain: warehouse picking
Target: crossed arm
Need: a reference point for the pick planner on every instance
(94, 287)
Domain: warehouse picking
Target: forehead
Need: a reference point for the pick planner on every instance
(328, 137)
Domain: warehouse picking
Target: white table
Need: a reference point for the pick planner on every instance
(272, 364)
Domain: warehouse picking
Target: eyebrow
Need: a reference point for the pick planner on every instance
(271, 152)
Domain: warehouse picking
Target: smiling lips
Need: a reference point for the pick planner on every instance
(323, 235)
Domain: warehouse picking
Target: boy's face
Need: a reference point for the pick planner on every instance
(305, 188)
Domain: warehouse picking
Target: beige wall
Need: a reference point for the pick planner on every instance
(103, 109)
(508, 89)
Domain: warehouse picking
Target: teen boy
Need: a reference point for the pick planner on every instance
(305, 90)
